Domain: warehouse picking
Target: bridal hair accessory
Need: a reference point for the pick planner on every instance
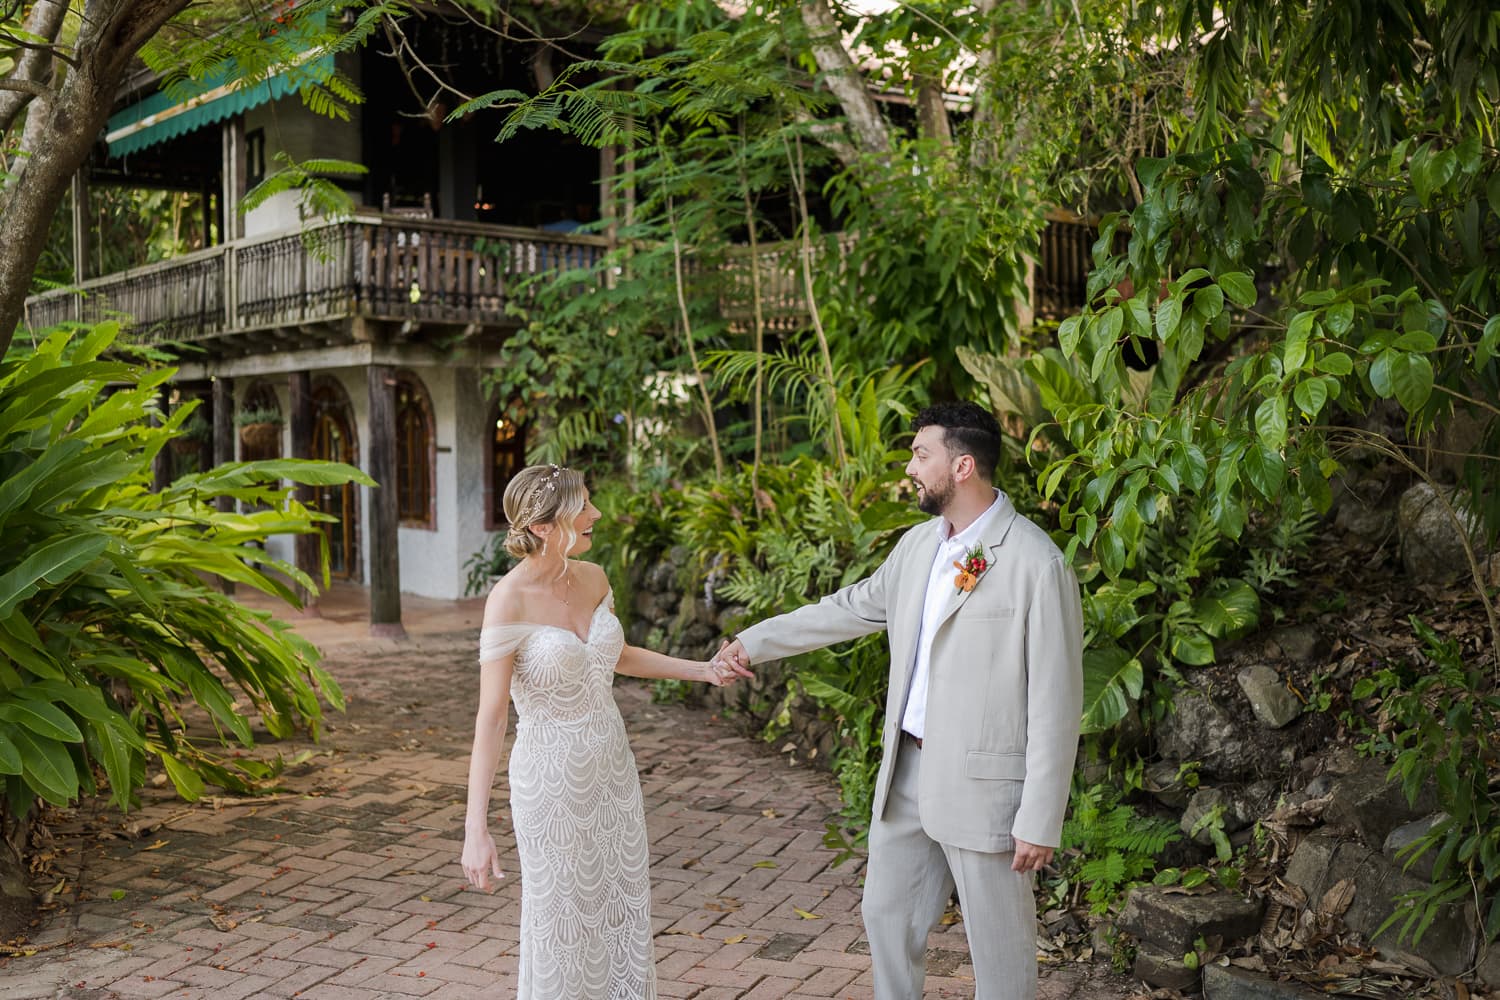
(970, 569)
(540, 496)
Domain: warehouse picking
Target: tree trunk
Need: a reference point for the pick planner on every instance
(932, 115)
(844, 79)
(983, 142)
(61, 126)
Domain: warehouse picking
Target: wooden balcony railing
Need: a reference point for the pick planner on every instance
(383, 267)
(439, 270)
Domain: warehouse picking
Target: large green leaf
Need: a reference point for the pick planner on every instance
(1240, 287)
(1231, 607)
(51, 563)
(41, 717)
(1189, 644)
(10, 757)
(1112, 680)
(46, 766)
(187, 782)
(1412, 379)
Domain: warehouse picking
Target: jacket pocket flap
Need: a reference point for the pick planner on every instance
(995, 765)
(977, 612)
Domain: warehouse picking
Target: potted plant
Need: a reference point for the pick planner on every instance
(260, 427)
(192, 435)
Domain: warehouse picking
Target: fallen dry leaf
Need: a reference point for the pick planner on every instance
(1337, 900)
(804, 914)
(735, 939)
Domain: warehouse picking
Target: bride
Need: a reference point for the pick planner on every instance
(551, 642)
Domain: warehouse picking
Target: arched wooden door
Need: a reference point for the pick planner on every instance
(333, 441)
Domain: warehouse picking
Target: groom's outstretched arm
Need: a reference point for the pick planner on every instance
(856, 610)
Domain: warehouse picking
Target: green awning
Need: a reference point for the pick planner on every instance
(158, 117)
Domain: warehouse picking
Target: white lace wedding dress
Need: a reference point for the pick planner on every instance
(575, 802)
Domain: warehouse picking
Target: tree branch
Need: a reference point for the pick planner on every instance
(24, 87)
(844, 79)
(32, 72)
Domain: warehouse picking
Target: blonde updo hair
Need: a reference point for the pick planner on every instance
(542, 494)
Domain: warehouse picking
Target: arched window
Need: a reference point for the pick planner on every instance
(414, 453)
(507, 445)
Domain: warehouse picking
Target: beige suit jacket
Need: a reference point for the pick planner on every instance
(1005, 691)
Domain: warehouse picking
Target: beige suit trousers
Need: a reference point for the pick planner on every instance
(908, 880)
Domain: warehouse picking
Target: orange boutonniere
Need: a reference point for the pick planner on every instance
(970, 569)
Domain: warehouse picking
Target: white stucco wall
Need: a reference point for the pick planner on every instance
(290, 127)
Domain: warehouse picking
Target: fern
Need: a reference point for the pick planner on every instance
(1111, 847)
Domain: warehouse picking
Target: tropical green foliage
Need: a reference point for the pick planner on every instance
(116, 649)
(1108, 846)
(802, 528)
(1440, 722)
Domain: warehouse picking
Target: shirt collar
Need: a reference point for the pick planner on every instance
(973, 532)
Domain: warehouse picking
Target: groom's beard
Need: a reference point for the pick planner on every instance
(933, 497)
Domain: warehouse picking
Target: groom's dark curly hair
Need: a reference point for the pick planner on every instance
(968, 429)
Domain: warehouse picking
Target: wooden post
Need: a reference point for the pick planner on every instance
(232, 228)
(306, 546)
(161, 465)
(385, 512)
(232, 170)
(80, 226)
(223, 446)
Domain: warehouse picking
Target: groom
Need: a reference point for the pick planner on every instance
(982, 716)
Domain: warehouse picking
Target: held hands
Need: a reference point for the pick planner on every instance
(480, 860)
(727, 666)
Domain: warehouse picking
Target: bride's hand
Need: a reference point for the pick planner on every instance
(716, 673)
(480, 860)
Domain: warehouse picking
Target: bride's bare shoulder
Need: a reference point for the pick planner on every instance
(506, 602)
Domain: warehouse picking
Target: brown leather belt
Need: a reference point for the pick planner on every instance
(915, 741)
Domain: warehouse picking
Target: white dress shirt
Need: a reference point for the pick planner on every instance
(940, 590)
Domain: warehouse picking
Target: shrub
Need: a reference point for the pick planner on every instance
(110, 627)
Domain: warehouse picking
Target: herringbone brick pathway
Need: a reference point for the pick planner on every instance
(345, 886)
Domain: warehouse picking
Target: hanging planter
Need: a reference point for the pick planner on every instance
(260, 430)
(261, 436)
(192, 436)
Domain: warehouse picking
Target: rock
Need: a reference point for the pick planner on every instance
(1160, 969)
(638, 632)
(1225, 982)
(1171, 921)
(1270, 700)
(1164, 781)
(1372, 806)
(1319, 786)
(1404, 836)
(1241, 807)
(1251, 802)
(1102, 940)
(734, 617)
(1432, 545)
(1489, 966)
(1322, 861)
(1203, 802)
(1197, 729)
(1362, 515)
(1302, 644)
(661, 577)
